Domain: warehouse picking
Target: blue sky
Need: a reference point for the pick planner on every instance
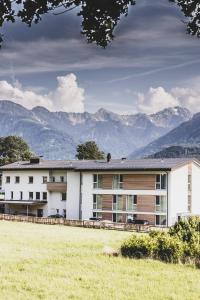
(151, 64)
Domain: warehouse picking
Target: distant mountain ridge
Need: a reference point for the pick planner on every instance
(186, 134)
(177, 151)
(55, 135)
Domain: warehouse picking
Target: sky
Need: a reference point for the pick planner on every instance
(151, 64)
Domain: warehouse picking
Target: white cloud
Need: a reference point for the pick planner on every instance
(158, 98)
(68, 96)
(154, 100)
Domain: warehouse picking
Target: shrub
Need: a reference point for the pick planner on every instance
(186, 229)
(137, 247)
(167, 248)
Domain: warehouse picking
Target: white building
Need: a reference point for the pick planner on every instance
(149, 189)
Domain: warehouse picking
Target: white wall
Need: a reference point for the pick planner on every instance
(195, 189)
(177, 193)
(53, 198)
(73, 195)
(87, 196)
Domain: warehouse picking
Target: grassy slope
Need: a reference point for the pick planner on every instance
(52, 262)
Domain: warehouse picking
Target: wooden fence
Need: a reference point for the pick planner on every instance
(77, 223)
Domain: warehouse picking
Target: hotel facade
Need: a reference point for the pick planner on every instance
(148, 189)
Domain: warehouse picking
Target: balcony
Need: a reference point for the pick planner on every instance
(23, 202)
(60, 187)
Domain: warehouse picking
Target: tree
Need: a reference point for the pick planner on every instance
(12, 149)
(99, 17)
(89, 150)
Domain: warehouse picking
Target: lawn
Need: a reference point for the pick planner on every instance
(57, 262)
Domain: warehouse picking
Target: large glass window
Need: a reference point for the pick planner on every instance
(161, 181)
(97, 215)
(161, 203)
(117, 202)
(161, 220)
(97, 202)
(117, 182)
(118, 218)
(131, 202)
(97, 181)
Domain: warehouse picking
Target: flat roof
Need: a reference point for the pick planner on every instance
(102, 165)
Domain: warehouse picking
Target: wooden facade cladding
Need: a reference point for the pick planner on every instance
(107, 202)
(107, 181)
(131, 181)
(146, 203)
(139, 181)
(57, 187)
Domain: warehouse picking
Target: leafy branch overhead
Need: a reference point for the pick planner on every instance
(99, 17)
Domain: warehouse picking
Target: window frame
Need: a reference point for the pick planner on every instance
(29, 180)
(161, 181)
(119, 182)
(17, 179)
(7, 177)
(98, 183)
(96, 198)
(65, 198)
(44, 179)
(115, 204)
(134, 204)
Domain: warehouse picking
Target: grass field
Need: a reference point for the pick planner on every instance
(55, 262)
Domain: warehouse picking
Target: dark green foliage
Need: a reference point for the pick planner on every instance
(89, 150)
(169, 249)
(99, 17)
(13, 148)
(137, 247)
(180, 244)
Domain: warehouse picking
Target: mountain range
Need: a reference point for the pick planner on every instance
(187, 134)
(55, 135)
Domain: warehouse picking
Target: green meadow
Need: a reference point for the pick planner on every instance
(57, 262)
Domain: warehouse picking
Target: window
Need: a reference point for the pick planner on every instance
(30, 179)
(97, 202)
(17, 179)
(11, 195)
(161, 220)
(64, 213)
(21, 195)
(161, 181)
(37, 195)
(117, 202)
(64, 196)
(161, 203)
(57, 211)
(131, 217)
(189, 203)
(7, 179)
(44, 195)
(44, 179)
(62, 178)
(97, 181)
(118, 218)
(131, 203)
(52, 179)
(117, 182)
(97, 215)
(30, 195)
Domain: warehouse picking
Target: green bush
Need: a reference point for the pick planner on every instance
(180, 244)
(137, 247)
(169, 249)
